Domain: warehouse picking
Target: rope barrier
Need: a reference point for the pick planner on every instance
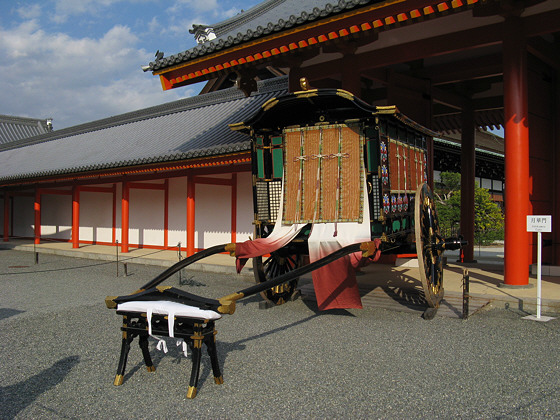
(36, 252)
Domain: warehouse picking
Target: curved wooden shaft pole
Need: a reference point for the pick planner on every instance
(182, 264)
(228, 302)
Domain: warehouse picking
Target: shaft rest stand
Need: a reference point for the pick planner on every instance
(169, 312)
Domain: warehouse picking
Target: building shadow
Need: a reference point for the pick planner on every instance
(15, 398)
(7, 313)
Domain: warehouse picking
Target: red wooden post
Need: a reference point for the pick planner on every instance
(6, 215)
(37, 208)
(76, 217)
(124, 216)
(467, 181)
(233, 207)
(166, 213)
(190, 215)
(516, 153)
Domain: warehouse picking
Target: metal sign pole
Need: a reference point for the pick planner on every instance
(539, 224)
(539, 272)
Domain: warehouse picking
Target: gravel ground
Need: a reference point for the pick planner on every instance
(60, 348)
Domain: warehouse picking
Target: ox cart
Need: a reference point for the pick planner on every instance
(334, 180)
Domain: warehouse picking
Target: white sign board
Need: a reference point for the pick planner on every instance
(539, 223)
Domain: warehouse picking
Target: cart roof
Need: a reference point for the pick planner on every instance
(325, 105)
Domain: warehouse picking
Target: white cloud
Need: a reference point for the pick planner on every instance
(75, 80)
(63, 9)
(29, 12)
(197, 6)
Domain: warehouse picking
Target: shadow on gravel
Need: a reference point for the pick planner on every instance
(17, 397)
(7, 313)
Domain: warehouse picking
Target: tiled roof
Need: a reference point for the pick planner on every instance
(16, 128)
(265, 18)
(189, 128)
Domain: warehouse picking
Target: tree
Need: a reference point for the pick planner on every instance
(488, 217)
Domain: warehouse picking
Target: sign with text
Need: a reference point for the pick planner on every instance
(539, 223)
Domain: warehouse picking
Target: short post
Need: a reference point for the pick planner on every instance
(117, 248)
(180, 258)
(125, 265)
(465, 293)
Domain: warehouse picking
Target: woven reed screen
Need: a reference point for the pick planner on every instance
(406, 165)
(323, 170)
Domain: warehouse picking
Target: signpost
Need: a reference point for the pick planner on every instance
(539, 224)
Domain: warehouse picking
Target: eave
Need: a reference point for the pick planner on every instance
(210, 164)
(364, 22)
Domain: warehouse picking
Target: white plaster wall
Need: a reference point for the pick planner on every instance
(244, 207)
(96, 216)
(212, 215)
(146, 217)
(24, 217)
(56, 216)
(177, 230)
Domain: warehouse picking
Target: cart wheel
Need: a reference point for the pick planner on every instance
(279, 262)
(430, 258)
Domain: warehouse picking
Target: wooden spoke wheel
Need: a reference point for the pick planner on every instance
(278, 263)
(428, 246)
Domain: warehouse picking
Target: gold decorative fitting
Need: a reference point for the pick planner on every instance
(151, 368)
(303, 83)
(269, 104)
(219, 379)
(162, 289)
(231, 249)
(110, 303)
(368, 249)
(228, 303)
(118, 380)
(191, 393)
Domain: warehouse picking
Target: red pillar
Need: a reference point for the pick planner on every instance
(6, 215)
(166, 213)
(350, 79)
(114, 229)
(124, 216)
(75, 217)
(467, 181)
(37, 208)
(516, 154)
(233, 208)
(190, 215)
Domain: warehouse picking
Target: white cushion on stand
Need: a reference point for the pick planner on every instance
(171, 309)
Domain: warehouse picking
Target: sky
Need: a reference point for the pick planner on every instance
(77, 61)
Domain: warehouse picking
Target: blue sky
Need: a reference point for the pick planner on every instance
(79, 60)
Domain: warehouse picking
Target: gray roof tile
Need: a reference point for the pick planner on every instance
(180, 130)
(16, 128)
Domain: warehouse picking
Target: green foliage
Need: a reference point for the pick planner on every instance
(488, 217)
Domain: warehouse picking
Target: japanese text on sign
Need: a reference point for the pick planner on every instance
(539, 223)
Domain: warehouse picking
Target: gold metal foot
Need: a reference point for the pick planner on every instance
(118, 380)
(151, 368)
(191, 393)
(219, 379)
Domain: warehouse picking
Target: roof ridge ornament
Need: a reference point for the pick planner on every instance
(202, 33)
